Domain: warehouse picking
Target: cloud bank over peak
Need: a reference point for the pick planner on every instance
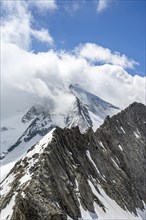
(29, 78)
(96, 53)
(44, 75)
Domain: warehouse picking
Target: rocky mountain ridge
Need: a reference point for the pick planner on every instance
(73, 175)
(86, 110)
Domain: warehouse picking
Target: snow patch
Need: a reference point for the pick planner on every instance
(123, 130)
(23, 194)
(6, 185)
(25, 178)
(115, 163)
(85, 214)
(113, 210)
(89, 156)
(6, 213)
(142, 213)
(101, 144)
(136, 135)
(41, 145)
(69, 218)
(38, 148)
(120, 147)
(5, 169)
(15, 130)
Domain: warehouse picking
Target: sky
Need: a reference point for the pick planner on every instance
(46, 45)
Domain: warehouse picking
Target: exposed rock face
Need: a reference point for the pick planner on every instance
(3, 129)
(34, 111)
(41, 125)
(65, 174)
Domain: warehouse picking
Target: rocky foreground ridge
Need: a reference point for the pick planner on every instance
(70, 175)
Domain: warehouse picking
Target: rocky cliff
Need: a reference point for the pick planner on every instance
(69, 175)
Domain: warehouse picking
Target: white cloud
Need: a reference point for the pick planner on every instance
(42, 35)
(44, 5)
(37, 76)
(17, 28)
(96, 53)
(28, 77)
(102, 5)
(72, 8)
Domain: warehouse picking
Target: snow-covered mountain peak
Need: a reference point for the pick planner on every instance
(93, 102)
(78, 116)
(78, 107)
(79, 91)
(98, 109)
(34, 111)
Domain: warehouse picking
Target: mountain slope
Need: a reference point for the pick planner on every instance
(94, 104)
(97, 108)
(70, 175)
(78, 116)
(11, 130)
(86, 110)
